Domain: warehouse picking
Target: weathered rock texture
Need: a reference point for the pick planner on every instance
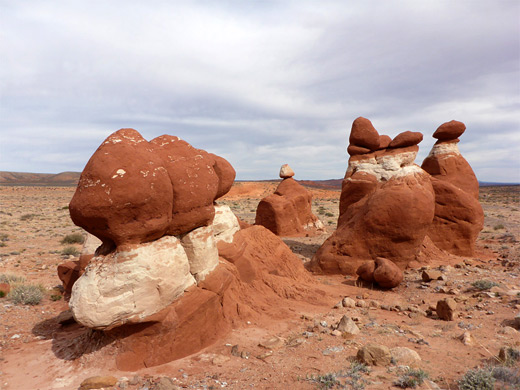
(288, 212)
(173, 272)
(256, 271)
(381, 271)
(134, 191)
(386, 206)
(458, 214)
(389, 206)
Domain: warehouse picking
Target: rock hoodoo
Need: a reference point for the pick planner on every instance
(172, 271)
(458, 214)
(390, 207)
(386, 204)
(288, 212)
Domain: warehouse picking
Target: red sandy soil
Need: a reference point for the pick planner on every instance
(37, 353)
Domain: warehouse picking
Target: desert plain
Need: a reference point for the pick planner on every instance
(292, 346)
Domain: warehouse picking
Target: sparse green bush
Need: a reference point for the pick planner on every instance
(27, 217)
(11, 278)
(498, 227)
(348, 379)
(2, 294)
(477, 379)
(55, 297)
(329, 214)
(70, 251)
(483, 285)
(27, 294)
(75, 238)
(3, 238)
(411, 378)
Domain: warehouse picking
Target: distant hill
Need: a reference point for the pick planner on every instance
(330, 184)
(63, 179)
(70, 179)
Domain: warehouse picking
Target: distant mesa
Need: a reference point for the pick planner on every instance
(288, 211)
(63, 179)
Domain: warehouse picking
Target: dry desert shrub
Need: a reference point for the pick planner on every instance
(26, 294)
(11, 278)
(74, 238)
(69, 251)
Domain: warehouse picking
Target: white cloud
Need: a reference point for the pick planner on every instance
(256, 82)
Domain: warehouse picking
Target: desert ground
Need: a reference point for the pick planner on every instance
(294, 348)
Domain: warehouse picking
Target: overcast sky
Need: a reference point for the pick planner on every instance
(261, 83)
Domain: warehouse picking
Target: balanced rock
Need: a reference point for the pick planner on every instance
(458, 214)
(286, 171)
(124, 194)
(407, 138)
(288, 212)
(364, 134)
(386, 208)
(133, 191)
(449, 131)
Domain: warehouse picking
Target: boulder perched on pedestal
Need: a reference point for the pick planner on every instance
(386, 206)
(173, 271)
(458, 214)
(288, 212)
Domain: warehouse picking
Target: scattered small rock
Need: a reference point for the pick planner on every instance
(346, 325)
(273, 343)
(446, 309)
(165, 383)
(466, 338)
(375, 355)
(405, 356)
(348, 302)
(98, 382)
(431, 274)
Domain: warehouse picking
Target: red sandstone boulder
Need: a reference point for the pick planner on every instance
(364, 134)
(449, 130)
(124, 194)
(288, 212)
(381, 271)
(387, 274)
(354, 150)
(194, 183)
(458, 219)
(366, 271)
(384, 141)
(458, 213)
(407, 138)
(386, 208)
(446, 163)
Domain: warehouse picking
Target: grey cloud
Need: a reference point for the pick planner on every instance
(261, 83)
